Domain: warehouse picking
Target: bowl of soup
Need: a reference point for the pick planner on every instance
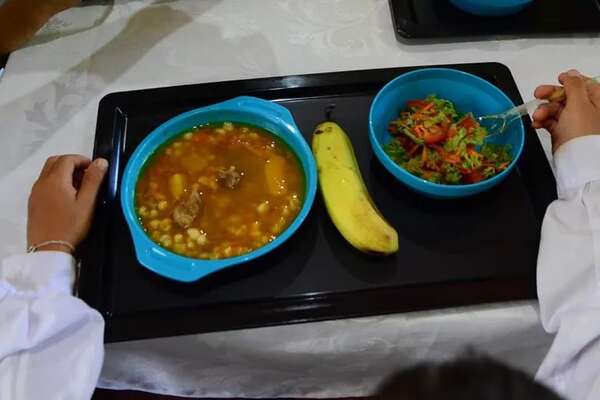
(216, 187)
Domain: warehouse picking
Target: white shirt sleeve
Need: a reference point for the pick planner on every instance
(569, 271)
(51, 343)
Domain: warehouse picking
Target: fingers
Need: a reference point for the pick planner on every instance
(48, 165)
(90, 183)
(545, 113)
(594, 94)
(545, 91)
(63, 168)
(577, 92)
(550, 125)
(571, 73)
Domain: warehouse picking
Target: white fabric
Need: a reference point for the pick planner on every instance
(568, 273)
(49, 96)
(51, 343)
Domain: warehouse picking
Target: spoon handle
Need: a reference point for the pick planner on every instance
(529, 108)
(560, 95)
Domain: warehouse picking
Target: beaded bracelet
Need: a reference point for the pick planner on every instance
(35, 247)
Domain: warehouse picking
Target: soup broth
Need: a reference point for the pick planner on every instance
(219, 191)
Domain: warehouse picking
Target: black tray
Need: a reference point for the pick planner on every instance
(438, 19)
(452, 253)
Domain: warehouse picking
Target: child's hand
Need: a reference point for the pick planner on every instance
(62, 200)
(47, 8)
(21, 19)
(578, 115)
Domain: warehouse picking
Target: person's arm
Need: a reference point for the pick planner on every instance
(569, 257)
(21, 19)
(51, 343)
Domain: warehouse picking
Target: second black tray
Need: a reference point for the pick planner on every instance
(440, 21)
(462, 252)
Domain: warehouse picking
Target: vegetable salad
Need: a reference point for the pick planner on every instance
(432, 140)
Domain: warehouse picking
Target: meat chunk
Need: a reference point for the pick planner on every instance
(229, 178)
(186, 212)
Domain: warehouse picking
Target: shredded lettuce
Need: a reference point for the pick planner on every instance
(447, 151)
(396, 152)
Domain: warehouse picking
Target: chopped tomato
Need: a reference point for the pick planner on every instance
(435, 134)
(473, 177)
(418, 104)
(452, 158)
(468, 122)
(445, 124)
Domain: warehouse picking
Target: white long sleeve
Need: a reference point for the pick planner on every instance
(51, 343)
(569, 272)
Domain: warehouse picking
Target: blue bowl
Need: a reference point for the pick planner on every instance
(469, 93)
(246, 110)
(491, 8)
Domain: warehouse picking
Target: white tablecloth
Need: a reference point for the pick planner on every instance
(48, 105)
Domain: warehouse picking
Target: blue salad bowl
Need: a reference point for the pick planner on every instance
(469, 93)
(273, 118)
(491, 8)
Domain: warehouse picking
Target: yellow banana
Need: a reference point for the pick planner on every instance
(346, 197)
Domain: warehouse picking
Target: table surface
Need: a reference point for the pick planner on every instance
(48, 104)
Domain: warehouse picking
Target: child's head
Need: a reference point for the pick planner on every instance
(467, 378)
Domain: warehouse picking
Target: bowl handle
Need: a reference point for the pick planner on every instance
(261, 105)
(173, 266)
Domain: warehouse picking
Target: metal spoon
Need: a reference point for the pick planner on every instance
(498, 123)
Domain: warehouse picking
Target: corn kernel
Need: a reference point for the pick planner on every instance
(165, 225)
(163, 204)
(227, 126)
(154, 224)
(179, 248)
(165, 240)
(178, 238)
(188, 136)
(153, 213)
(202, 239)
(193, 233)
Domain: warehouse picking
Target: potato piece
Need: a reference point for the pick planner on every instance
(275, 175)
(194, 163)
(177, 184)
